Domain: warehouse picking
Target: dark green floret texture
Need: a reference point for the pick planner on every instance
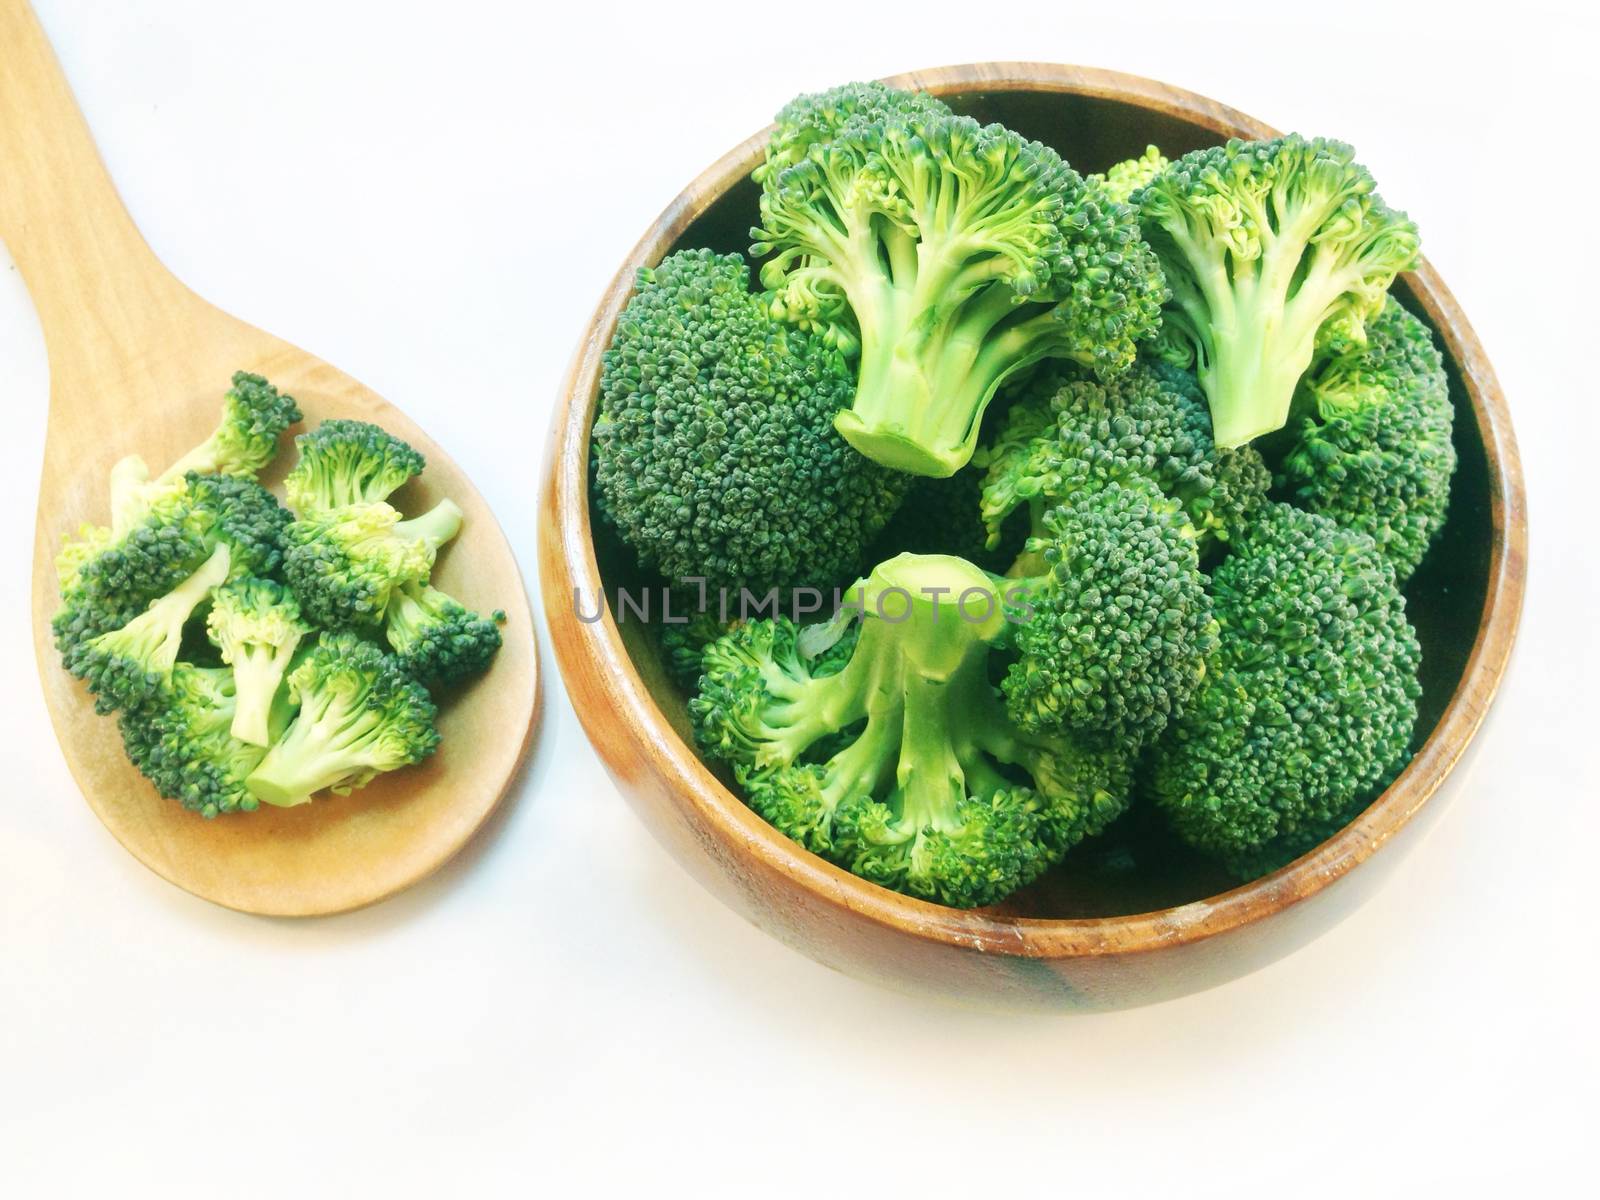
(1309, 700)
(1129, 469)
(201, 612)
(714, 448)
(1373, 450)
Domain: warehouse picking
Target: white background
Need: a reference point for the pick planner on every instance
(433, 197)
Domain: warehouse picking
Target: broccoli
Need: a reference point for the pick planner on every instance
(714, 452)
(254, 414)
(891, 755)
(1263, 244)
(348, 462)
(945, 516)
(1125, 178)
(1123, 488)
(344, 565)
(1308, 702)
(1151, 421)
(185, 746)
(256, 625)
(360, 714)
(947, 256)
(127, 667)
(1373, 450)
(437, 638)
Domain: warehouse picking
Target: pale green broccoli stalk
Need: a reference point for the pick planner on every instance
(360, 715)
(714, 449)
(127, 667)
(346, 462)
(1308, 703)
(256, 625)
(1373, 448)
(949, 256)
(891, 755)
(1263, 244)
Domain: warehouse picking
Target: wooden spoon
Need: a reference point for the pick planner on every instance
(138, 364)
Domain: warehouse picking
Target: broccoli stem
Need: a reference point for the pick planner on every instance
(435, 527)
(257, 674)
(325, 746)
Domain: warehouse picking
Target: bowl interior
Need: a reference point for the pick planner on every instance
(1136, 866)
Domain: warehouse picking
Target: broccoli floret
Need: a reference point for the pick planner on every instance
(948, 255)
(346, 564)
(1308, 703)
(254, 414)
(256, 625)
(1151, 421)
(436, 637)
(899, 762)
(348, 462)
(1263, 244)
(714, 452)
(185, 746)
(360, 714)
(1374, 450)
(813, 119)
(107, 580)
(1125, 178)
(127, 667)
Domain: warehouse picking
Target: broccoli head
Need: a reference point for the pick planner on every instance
(127, 667)
(1373, 450)
(256, 625)
(107, 580)
(891, 754)
(185, 746)
(360, 714)
(348, 462)
(1121, 181)
(1263, 244)
(436, 637)
(1308, 702)
(254, 414)
(1151, 421)
(714, 452)
(947, 256)
(346, 564)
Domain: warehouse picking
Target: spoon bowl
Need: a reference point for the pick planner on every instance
(138, 365)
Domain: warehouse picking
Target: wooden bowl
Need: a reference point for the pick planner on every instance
(1096, 934)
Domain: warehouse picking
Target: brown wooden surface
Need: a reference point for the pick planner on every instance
(138, 364)
(988, 957)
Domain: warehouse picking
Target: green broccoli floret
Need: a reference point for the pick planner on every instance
(106, 580)
(1263, 244)
(813, 119)
(714, 452)
(948, 255)
(254, 414)
(1308, 703)
(184, 745)
(360, 714)
(1151, 421)
(346, 564)
(899, 762)
(127, 667)
(256, 625)
(348, 462)
(436, 637)
(1121, 181)
(1373, 450)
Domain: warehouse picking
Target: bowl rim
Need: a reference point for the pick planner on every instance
(567, 545)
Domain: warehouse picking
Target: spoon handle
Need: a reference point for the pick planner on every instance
(98, 287)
